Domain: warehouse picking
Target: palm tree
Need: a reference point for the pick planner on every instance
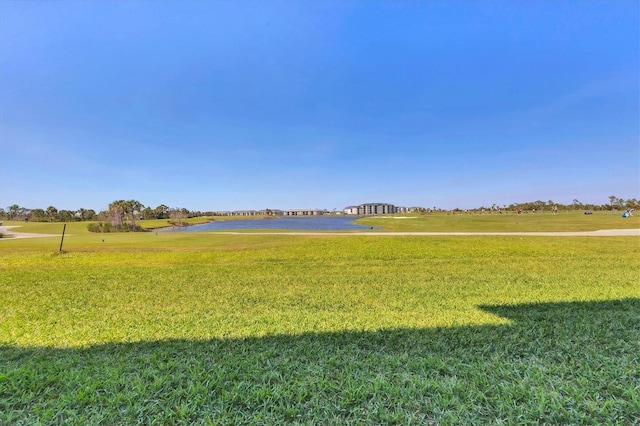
(133, 207)
(12, 211)
(117, 211)
(161, 212)
(52, 212)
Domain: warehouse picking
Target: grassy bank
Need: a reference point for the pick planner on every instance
(266, 329)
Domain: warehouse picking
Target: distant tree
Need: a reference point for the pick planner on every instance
(12, 211)
(117, 211)
(178, 215)
(103, 216)
(162, 212)
(612, 200)
(38, 215)
(86, 214)
(122, 215)
(52, 213)
(133, 208)
(577, 204)
(631, 203)
(147, 213)
(66, 215)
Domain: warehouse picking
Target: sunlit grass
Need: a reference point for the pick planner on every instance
(507, 222)
(302, 284)
(234, 329)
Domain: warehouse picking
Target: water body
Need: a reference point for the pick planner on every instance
(321, 223)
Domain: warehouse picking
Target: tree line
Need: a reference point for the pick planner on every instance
(121, 215)
(614, 204)
(50, 214)
(124, 214)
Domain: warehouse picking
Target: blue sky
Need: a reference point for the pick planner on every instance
(219, 105)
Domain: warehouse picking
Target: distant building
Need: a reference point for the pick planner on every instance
(350, 210)
(371, 209)
(304, 212)
(407, 209)
(271, 212)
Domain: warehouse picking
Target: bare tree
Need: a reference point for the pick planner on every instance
(178, 214)
(117, 210)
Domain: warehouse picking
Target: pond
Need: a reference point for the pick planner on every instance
(321, 223)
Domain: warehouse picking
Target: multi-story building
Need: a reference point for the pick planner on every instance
(371, 209)
(304, 212)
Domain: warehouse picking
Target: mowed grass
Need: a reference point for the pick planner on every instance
(175, 328)
(506, 222)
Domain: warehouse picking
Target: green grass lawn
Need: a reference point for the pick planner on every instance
(507, 222)
(175, 328)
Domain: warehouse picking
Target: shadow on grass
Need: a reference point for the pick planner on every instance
(570, 363)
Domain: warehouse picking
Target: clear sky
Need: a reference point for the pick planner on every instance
(222, 105)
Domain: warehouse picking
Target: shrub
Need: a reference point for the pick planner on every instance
(106, 227)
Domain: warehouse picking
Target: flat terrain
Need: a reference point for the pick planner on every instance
(212, 328)
(9, 232)
(600, 233)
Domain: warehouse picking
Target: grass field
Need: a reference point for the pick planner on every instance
(507, 222)
(175, 328)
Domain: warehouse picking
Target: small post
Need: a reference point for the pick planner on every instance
(62, 240)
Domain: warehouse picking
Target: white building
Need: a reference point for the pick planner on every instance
(406, 209)
(242, 213)
(371, 209)
(304, 212)
(350, 210)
